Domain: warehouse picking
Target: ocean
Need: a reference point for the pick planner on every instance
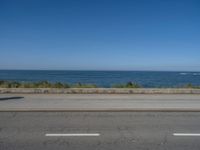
(105, 78)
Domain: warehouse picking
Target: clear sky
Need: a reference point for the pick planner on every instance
(100, 34)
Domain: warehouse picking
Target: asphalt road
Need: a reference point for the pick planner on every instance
(99, 102)
(109, 130)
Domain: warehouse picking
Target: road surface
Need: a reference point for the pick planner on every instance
(99, 130)
(99, 122)
(99, 102)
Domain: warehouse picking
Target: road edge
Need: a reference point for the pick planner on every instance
(99, 91)
(101, 110)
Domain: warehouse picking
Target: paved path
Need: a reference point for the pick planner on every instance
(98, 102)
(99, 130)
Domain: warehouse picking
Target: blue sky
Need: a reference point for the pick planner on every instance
(100, 34)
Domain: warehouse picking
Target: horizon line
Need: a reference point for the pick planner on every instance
(97, 70)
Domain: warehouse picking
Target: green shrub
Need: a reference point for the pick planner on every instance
(189, 85)
(127, 85)
(80, 85)
(46, 84)
(42, 84)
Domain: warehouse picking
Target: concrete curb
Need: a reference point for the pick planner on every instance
(99, 91)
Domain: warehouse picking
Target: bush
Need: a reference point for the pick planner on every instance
(127, 85)
(80, 85)
(189, 85)
(42, 84)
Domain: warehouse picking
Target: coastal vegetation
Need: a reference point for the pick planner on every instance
(42, 84)
(46, 84)
(189, 85)
(127, 85)
(81, 85)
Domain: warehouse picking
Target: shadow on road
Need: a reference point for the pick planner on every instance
(10, 98)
